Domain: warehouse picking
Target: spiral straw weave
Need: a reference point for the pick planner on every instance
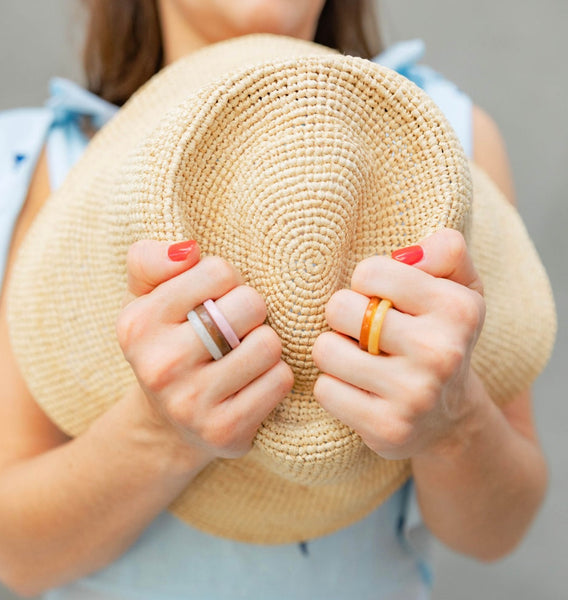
(293, 163)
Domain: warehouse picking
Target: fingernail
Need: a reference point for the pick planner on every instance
(410, 255)
(181, 250)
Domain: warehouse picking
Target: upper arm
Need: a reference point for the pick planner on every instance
(490, 153)
(25, 430)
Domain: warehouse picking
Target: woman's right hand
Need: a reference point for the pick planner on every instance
(213, 407)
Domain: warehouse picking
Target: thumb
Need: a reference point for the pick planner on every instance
(150, 263)
(443, 254)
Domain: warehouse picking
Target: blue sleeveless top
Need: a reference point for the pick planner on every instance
(384, 556)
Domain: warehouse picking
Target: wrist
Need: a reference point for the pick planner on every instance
(151, 431)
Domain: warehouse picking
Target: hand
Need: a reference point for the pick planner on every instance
(419, 395)
(215, 407)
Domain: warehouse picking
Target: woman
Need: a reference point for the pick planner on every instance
(69, 508)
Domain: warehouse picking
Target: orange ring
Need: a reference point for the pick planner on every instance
(367, 320)
(376, 326)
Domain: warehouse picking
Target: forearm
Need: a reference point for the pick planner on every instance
(74, 509)
(480, 496)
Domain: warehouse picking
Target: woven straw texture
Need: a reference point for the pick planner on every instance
(294, 163)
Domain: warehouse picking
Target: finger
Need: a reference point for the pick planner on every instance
(249, 407)
(243, 308)
(444, 254)
(258, 352)
(149, 263)
(211, 278)
(440, 308)
(410, 290)
(355, 407)
(377, 421)
(342, 358)
(344, 313)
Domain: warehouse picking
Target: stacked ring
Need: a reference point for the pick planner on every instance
(213, 329)
(369, 338)
(222, 323)
(377, 325)
(367, 320)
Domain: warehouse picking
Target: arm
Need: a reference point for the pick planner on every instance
(482, 495)
(479, 470)
(69, 507)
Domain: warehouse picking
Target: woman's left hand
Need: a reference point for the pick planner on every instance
(419, 395)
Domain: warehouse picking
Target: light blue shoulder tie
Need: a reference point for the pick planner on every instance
(66, 141)
(23, 134)
(455, 104)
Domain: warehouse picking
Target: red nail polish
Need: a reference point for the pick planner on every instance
(181, 250)
(410, 255)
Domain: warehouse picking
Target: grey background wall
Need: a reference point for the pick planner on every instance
(510, 57)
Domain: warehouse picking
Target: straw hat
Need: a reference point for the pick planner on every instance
(294, 163)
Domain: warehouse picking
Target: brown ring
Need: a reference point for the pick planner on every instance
(213, 330)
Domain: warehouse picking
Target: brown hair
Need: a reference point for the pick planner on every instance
(123, 46)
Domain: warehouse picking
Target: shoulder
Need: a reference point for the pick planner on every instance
(38, 146)
(22, 132)
(22, 135)
(490, 153)
(58, 125)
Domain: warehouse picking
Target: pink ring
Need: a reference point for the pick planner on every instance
(222, 323)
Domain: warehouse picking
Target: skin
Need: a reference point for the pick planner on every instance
(479, 470)
(191, 24)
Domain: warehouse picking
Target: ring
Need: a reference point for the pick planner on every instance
(377, 325)
(213, 329)
(222, 323)
(366, 325)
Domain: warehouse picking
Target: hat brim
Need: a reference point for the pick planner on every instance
(281, 167)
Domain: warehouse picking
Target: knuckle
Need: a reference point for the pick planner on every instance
(156, 374)
(423, 346)
(467, 308)
(318, 351)
(137, 263)
(134, 255)
(366, 272)
(441, 357)
(184, 408)
(181, 410)
(132, 325)
(424, 398)
(221, 433)
(255, 303)
(221, 270)
(418, 391)
(126, 330)
(336, 304)
(285, 378)
(455, 246)
(320, 348)
(319, 390)
(269, 343)
(398, 434)
(479, 302)
(450, 359)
